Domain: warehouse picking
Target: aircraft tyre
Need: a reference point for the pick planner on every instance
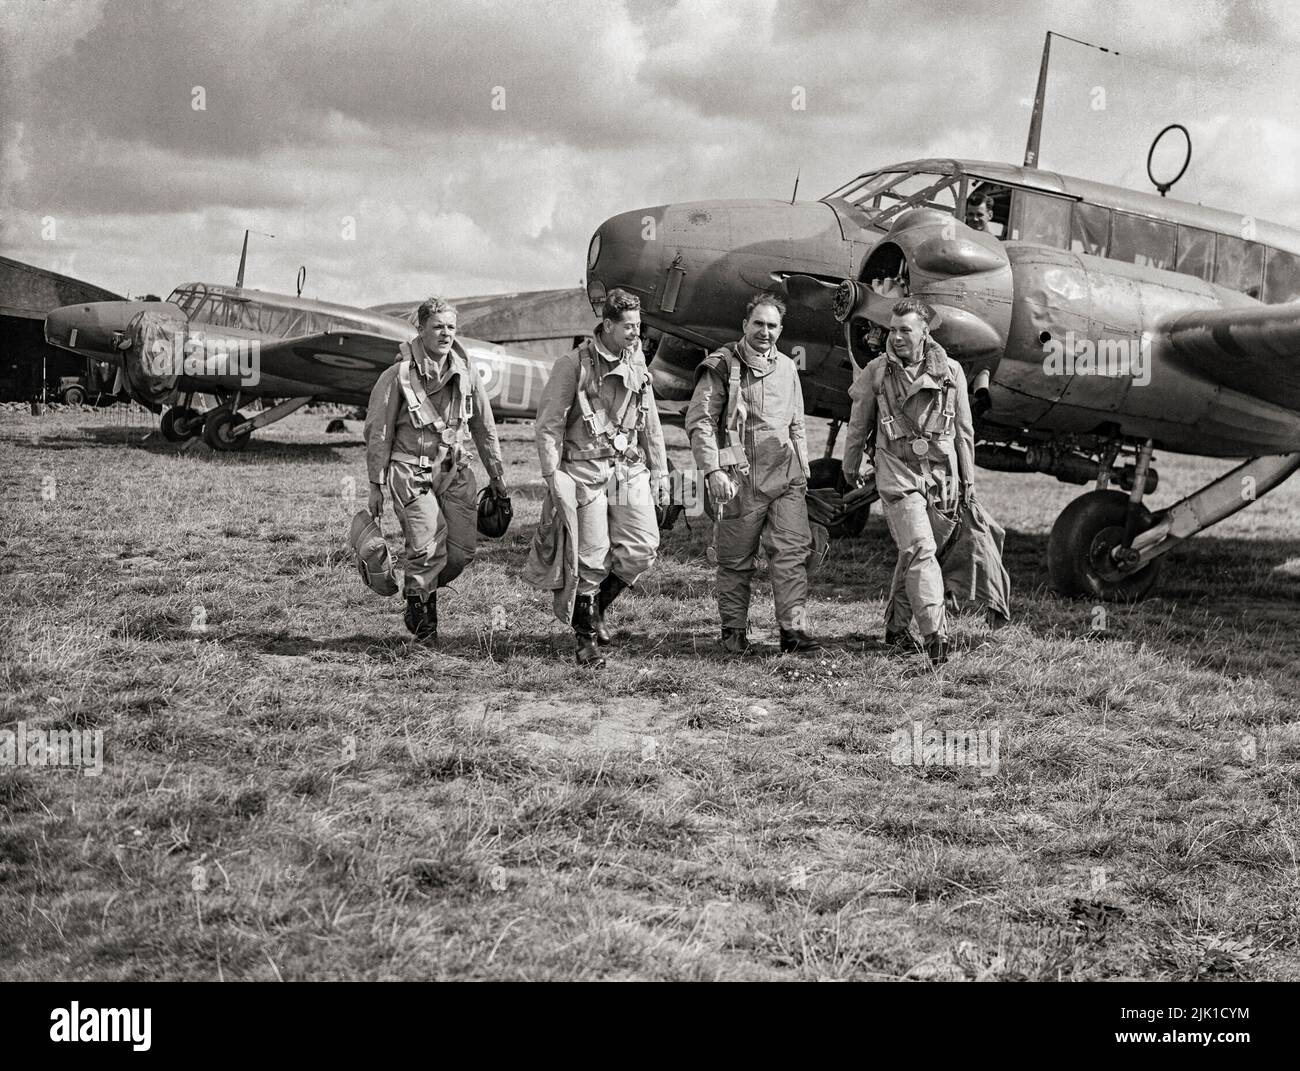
(1078, 558)
(187, 419)
(216, 430)
(826, 472)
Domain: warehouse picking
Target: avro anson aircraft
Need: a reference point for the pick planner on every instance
(237, 344)
(1095, 325)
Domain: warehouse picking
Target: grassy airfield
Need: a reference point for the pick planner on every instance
(294, 790)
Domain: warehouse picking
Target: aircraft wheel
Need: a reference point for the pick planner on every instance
(74, 396)
(1078, 550)
(216, 430)
(179, 424)
(827, 472)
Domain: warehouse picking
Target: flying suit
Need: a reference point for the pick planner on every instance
(746, 418)
(415, 428)
(924, 452)
(597, 422)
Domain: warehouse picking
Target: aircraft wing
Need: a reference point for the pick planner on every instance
(1252, 349)
(333, 365)
(343, 366)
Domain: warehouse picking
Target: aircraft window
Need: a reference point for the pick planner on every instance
(863, 192)
(1281, 277)
(1147, 242)
(1239, 265)
(202, 312)
(214, 310)
(923, 190)
(244, 315)
(271, 320)
(295, 324)
(1000, 199)
(892, 192)
(1040, 219)
(185, 298)
(340, 323)
(1090, 230)
(1195, 253)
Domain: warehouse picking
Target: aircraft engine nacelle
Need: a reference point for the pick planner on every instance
(153, 349)
(963, 273)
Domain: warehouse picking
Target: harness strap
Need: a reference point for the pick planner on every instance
(425, 414)
(573, 453)
(424, 461)
(732, 454)
(938, 424)
(597, 418)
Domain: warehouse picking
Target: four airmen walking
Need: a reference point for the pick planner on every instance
(605, 467)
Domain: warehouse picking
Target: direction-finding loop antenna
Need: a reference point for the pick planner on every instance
(302, 279)
(1164, 187)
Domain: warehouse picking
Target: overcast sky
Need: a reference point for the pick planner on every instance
(476, 145)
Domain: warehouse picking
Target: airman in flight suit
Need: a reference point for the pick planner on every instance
(747, 434)
(597, 423)
(911, 401)
(416, 421)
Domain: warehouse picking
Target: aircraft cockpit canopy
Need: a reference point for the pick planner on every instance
(1026, 205)
(882, 195)
(246, 312)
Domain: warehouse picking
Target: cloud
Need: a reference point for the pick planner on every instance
(383, 113)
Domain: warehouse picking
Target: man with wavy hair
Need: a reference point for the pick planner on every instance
(910, 404)
(601, 446)
(419, 413)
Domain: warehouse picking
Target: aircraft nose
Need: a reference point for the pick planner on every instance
(625, 252)
(85, 328)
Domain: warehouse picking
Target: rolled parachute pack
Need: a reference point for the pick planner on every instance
(374, 560)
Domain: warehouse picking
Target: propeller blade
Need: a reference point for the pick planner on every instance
(810, 292)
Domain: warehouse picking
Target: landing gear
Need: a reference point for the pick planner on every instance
(218, 428)
(180, 423)
(1086, 552)
(220, 424)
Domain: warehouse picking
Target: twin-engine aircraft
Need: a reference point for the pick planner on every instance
(238, 344)
(1095, 325)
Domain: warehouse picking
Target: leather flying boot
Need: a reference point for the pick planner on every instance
(610, 589)
(421, 618)
(797, 641)
(902, 641)
(936, 649)
(585, 613)
(735, 641)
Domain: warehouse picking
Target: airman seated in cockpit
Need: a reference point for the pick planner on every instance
(979, 214)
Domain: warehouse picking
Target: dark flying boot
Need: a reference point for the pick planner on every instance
(421, 618)
(936, 649)
(610, 589)
(902, 641)
(585, 613)
(797, 641)
(735, 641)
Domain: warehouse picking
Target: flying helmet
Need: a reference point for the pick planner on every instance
(494, 513)
(374, 561)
